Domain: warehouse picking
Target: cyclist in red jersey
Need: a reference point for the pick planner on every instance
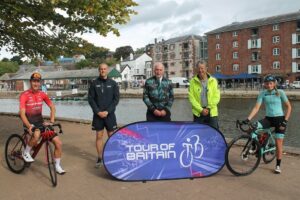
(31, 104)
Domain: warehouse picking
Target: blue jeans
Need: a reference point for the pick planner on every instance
(212, 121)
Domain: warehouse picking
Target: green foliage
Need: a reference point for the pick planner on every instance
(17, 59)
(8, 67)
(48, 28)
(140, 50)
(123, 52)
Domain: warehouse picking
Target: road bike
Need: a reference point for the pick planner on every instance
(244, 152)
(16, 144)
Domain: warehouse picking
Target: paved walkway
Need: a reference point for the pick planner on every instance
(83, 181)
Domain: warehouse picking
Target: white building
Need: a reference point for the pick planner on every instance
(136, 67)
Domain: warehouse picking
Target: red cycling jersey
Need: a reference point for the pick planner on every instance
(32, 102)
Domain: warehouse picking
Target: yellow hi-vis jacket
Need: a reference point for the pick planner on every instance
(213, 95)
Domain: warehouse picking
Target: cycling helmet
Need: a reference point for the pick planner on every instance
(269, 78)
(36, 76)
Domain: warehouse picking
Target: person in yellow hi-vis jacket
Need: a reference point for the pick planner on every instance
(204, 95)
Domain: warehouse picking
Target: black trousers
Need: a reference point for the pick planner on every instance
(152, 118)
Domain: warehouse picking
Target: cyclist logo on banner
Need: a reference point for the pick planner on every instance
(192, 151)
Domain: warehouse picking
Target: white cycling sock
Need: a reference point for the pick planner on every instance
(27, 149)
(57, 161)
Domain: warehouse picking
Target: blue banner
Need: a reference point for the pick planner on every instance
(164, 150)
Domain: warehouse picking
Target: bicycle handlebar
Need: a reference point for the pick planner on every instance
(247, 128)
(51, 126)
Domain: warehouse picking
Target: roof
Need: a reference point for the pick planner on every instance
(70, 74)
(123, 67)
(135, 56)
(237, 76)
(7, 76)
(257, 22)
(114, 73)
(182, 38)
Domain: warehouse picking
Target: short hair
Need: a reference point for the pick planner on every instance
(101, 65)
(157, 64)
(201, 62)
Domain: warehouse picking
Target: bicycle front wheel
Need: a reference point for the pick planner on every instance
(243, 155)
(51, 163)
(14, 147)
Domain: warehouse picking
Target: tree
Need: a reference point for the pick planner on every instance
(5, 60)
(123, 52)
(83, 64)
(140, 50)
(17, 59)
(48, 28)
(8, 67)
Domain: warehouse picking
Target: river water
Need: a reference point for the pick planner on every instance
(132, 110)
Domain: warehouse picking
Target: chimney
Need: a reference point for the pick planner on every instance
(155, 40)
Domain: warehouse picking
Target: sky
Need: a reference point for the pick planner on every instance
(164, 19)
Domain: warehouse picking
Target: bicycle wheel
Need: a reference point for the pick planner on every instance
(269, 156)
(14, 147)
(242, 155)
(51, 163)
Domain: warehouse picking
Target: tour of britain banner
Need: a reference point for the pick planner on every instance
(164, 150)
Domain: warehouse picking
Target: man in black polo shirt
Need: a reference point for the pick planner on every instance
(103, 98)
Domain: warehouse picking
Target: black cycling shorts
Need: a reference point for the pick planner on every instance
(109, 123)
(268, 122)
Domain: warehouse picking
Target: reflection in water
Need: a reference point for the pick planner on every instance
(132, 110)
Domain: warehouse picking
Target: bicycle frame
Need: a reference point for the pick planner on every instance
(264, 147)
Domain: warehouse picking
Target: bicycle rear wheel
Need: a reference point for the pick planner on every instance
(14, 147)
(269, 156)
(242, 155)
(51, 163)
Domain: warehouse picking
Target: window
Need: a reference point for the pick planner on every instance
(166, 48)
(235, 67)
(298, 67)
(165, 56)
(158, 57)
(172, 47)
(172, 55)
(254, 68)
(186, 45)
(275, 27)
(298, 38)
(235, 55)
(172, 64)
(218, 56)
(254, 56)
(218, 68)
(217, 36)
(186, 55)
(217, 46)
(235, 44)
(254, 31)
(234, 34)
(254, 43)
(276, 65)
(298, 24)
(137, 71)
(158, 49)
(186, 63)
(276, 52)
(276, 39)
(298, 53)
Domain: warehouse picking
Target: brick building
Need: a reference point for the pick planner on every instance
(263, 46)
(180, 54)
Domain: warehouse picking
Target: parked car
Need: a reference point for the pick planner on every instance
(180, 82)
(295, 84)
(283, 86)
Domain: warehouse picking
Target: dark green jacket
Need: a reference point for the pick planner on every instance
(158, 96)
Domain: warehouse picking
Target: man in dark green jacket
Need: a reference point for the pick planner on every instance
(204, 96)
(158, 96)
